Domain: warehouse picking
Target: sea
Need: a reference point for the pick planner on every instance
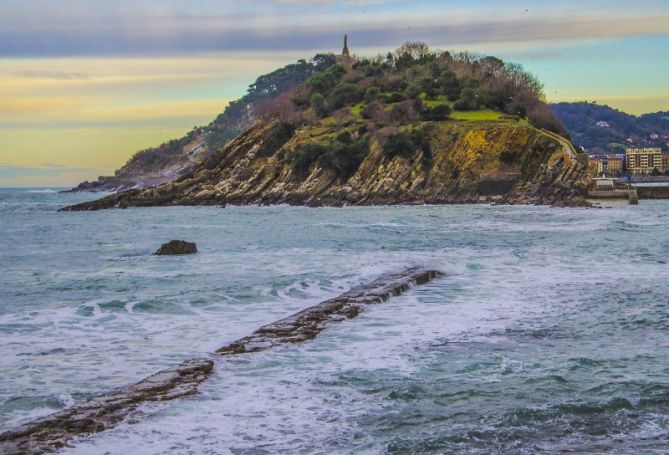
(548, 331)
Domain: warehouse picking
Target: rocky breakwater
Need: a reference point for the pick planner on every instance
(308, 323)
(503, 161)
(103, 412)
(100, 413)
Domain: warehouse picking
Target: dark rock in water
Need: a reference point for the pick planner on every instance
(103, 412)
(175, 247)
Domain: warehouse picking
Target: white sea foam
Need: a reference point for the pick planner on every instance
(42, 191)
(85, 308)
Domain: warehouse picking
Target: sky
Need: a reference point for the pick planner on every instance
(84, 84)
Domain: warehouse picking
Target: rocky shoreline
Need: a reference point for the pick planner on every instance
(502, 162)
(105, 411)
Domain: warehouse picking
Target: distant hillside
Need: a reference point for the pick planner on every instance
(602, 129)
(412, 127)
(172, 159)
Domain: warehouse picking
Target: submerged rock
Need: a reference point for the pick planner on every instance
(176, 247)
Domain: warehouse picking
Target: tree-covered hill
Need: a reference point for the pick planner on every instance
(412, 127)
(601, 129)
(412, 84)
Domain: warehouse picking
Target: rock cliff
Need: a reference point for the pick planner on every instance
(504, 161)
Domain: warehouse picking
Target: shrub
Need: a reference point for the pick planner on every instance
(343, 157)
(542, 117)
(371, 111)
(468, 101)
(437, 113)
(407, 144)
(371, 94)
(430, 86)
(305, 156)
(394, 97)
(412, 91)
(275, 140)
(317, 102)
(300, 100)
(345, 93)
(324, 81)
(344, 138)
(450, 85)
(404, 112)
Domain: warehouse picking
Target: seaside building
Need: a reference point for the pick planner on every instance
(643, 161)
(665, 161)
(608, 165)
(615, 165)
(595, 164)
(605, 184)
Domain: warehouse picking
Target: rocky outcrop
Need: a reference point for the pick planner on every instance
(502, 161)
(99, 413)
(176, 247)
(308, 323)
(151, 167)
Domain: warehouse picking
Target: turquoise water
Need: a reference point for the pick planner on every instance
(548, 332)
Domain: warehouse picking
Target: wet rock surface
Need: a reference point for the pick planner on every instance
(100, 413)
(176, 247)
(103, 412)
(308, 323)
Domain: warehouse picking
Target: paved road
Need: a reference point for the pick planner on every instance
(567, 148)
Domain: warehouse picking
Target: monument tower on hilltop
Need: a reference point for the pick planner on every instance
(345, 51)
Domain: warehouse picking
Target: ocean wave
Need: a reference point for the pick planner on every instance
(42, 191)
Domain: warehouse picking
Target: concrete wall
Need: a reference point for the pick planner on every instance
(653, 192)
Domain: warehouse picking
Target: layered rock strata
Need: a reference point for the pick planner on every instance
(469, 162)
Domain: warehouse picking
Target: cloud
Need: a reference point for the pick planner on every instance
(47, 74)
(11, 171)
(158, 32)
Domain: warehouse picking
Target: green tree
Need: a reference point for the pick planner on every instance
(468, 101)
(345, 93)
(371, 94)
(317, 103)
(413, 91)
(437, 113)
(324, 81)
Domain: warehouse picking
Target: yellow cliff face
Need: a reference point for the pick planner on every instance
(488, 161)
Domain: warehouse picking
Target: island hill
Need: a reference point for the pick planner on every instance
(413, 127)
